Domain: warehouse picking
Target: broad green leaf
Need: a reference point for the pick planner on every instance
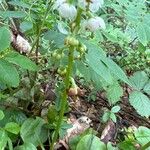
(26, 25)
(1, 115)
(12, 127)
(21, 61)
(115, 69)
(13, 14)
(139, 79)
(4, 38)
(56, 37)
(147, 88)
(20, 3)
(126, 145)
(31, 131)
(94, 61)
(143, 32)
(140, 102)
(26, 146)
(90, 142)
(3, 139)
(142, 134)
(115, 109)
(114, 92)
(8, 74)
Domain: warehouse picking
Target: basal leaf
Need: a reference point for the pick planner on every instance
(139, 79)
(142, 135)
(146, 88)
(21, 61)
(114, 92)
(3, 139)
(31, 131)
(8, 74)
(4, 38)
(12, 127)
(90, 142)
(140, 102)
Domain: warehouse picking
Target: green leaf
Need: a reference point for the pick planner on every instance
(90, 142)
(114, 92)
(8, 74)
(21, 61)
(106, 116)
(56, 37)
(115, 109)
(143, 32)
(3, 139)
(115, 69)
(142, 135)
(10, 144)
(31, 131)
(94, 61)
(147, 88)
(12, 127)
(113, 117)
(139, 79)
(20, 3)
(4, 38)
(1, 115)
(140, 102)
(126, 145)
(26, 146)
(13, 14)
(26, 25)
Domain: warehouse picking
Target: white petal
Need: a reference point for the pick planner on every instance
(58, 3)
(82, 4)
(67, 11)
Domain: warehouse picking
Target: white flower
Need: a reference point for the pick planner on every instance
(58, 3)
(67, 11)
(94, 24)
(94, 5)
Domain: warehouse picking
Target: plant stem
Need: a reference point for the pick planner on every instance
(64, 96)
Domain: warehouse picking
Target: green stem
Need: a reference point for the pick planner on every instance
(64, 96)
(145, 146)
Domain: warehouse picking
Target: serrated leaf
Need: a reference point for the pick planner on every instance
(147, 88)
(142, 135)
(90, 142)
(143, 32)
(94, 61)
(115, 69)
(140, 102)
(139, 79)
(13, 14)
(3, 139)
(8, 74)
(4, 38)
(21, 61)
(113, 93)
(12, 127)
(31, 131)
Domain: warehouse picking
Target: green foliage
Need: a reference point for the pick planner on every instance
(90, 142)
(12, 127)
(4, 38)
(32, 131)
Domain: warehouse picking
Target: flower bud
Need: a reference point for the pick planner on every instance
(67, 11)
(94, 24)
(71, 41)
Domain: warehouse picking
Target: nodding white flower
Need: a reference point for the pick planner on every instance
(67, 11)
(94, 24)
(58, 3)
(94, 5)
